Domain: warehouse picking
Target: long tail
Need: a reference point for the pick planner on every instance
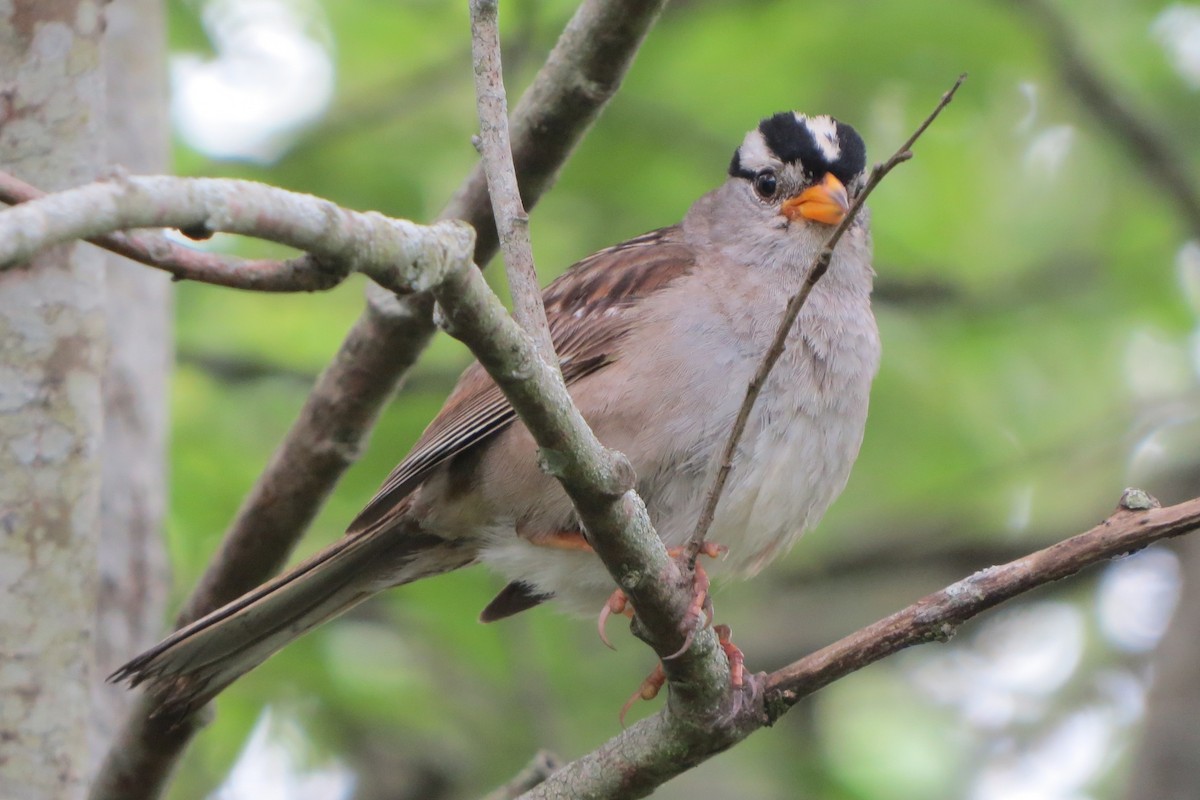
(189, 667)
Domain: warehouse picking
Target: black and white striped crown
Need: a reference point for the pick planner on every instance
(819, 144)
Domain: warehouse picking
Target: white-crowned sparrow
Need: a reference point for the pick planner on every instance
(658, 338)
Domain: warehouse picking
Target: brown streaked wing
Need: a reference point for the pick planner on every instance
(587, 309)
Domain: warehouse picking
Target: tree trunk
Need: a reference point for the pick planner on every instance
(133, 566)
(51, 354)
(1166, 766)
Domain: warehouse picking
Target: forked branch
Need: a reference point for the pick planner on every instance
(658, 748)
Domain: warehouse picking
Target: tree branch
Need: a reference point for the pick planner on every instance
(493, 142)
(654, 750)
(408, 257)
(791, 312)
(703, 717)
(581, 74)
(1137, 523)
(599, 482)
(396, 254)
(303, 274)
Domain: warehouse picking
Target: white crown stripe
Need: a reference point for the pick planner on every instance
(824, 133)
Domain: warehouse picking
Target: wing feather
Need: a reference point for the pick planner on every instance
(587, 308)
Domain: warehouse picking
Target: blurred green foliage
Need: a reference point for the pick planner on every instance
(1037, 338)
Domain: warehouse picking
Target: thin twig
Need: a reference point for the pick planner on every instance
(512, 223)
(779, 343)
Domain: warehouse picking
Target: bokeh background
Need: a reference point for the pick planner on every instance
(1038, 295)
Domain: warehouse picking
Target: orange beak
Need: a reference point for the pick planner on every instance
(825, 202)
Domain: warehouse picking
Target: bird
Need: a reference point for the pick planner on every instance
(657, 338)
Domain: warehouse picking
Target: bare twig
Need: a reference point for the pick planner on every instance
(581, 74)
(1158, 158)
(511, 220)
(658, 748)
(791, 312)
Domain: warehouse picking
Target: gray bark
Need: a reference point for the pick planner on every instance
(51, 354)
(132, 558)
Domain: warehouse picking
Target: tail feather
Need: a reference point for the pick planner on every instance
(192, 665)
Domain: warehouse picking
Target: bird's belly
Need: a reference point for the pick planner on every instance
(794, 463)
(794, 459)
(786, 479)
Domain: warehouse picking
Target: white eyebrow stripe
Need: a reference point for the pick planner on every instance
(824, 134)
(754, 153)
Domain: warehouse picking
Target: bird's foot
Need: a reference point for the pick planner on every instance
(658, 677)
(618, 601)
(701, 600)
(700, 606)
(737, 659)
(647, 691)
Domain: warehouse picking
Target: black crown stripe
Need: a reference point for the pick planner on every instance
(791, 141)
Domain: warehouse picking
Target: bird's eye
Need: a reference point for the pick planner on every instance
(766, 185)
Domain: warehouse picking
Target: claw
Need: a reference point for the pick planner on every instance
(687, 643)
(737, 660)
(701, 605)
(647, 691)
(713, 550)
(710, 549)
(617, 603)
(656, 679)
